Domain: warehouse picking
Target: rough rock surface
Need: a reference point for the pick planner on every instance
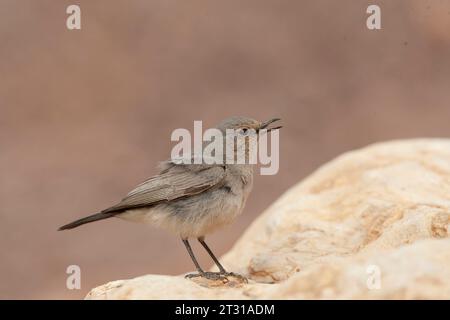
(373, 223)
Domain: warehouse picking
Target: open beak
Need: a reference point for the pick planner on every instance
(265, 125)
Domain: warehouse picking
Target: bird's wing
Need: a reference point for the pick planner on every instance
(176, 182)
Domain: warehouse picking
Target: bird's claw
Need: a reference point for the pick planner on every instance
(236, 275)
(208, 275)
(217, 276)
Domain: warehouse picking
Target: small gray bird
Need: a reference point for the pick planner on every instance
(191, 200)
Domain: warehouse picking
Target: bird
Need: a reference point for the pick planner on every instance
(191, 200)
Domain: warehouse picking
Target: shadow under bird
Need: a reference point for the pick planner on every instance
(191, 200)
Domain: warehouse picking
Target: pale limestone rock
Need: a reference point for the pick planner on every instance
(379, 213)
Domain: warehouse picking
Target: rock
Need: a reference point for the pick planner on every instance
(371, 224)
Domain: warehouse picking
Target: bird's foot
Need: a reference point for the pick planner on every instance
(209, 276)
(235, 275)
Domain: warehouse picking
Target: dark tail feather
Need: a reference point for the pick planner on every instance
(92, 218)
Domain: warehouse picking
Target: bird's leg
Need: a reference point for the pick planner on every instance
(200, 272)
(222, 270)
(211, 254)
(191, 253)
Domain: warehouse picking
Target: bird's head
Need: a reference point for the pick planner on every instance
(243, 127)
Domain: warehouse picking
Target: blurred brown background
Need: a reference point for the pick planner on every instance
(86, 115)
